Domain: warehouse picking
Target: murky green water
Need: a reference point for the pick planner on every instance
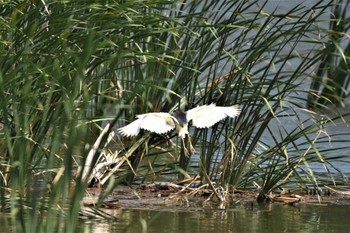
(246, 218)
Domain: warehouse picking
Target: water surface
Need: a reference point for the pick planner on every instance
(250, 217)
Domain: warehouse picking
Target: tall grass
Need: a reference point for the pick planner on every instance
(331, 81)
(67, 65)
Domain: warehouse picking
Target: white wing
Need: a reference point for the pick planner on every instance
(207, 115)
(131, 129)
(157, 122)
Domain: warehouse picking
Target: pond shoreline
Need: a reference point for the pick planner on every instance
(161, 196)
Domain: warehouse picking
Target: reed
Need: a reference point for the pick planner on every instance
(331, 81)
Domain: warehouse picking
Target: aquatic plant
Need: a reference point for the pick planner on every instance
(331, 81)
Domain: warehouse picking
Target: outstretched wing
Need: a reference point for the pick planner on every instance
(207, 115)
(156, 122)
(131, 129)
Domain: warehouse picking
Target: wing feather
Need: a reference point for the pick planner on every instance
(131, 129)
(157, 122)
(207, 115)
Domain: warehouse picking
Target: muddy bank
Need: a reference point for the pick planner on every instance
(160, 195)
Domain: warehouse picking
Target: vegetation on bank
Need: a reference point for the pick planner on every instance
(68, 67)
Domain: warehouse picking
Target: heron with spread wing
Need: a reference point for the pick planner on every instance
(161, 122)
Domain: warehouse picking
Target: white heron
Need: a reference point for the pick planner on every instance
(161, 122)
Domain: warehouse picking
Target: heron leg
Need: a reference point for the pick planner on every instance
(184, 146)
(191, 146)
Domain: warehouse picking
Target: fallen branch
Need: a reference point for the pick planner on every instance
(338, 191)
(88, 166)
(218, 192)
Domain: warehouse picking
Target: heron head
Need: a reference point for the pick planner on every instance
(180, 117)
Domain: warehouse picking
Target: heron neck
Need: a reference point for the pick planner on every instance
(183, 130)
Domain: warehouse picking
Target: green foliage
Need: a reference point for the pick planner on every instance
(331, 81)
(65, 66)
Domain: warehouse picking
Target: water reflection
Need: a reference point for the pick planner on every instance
(246, 218)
